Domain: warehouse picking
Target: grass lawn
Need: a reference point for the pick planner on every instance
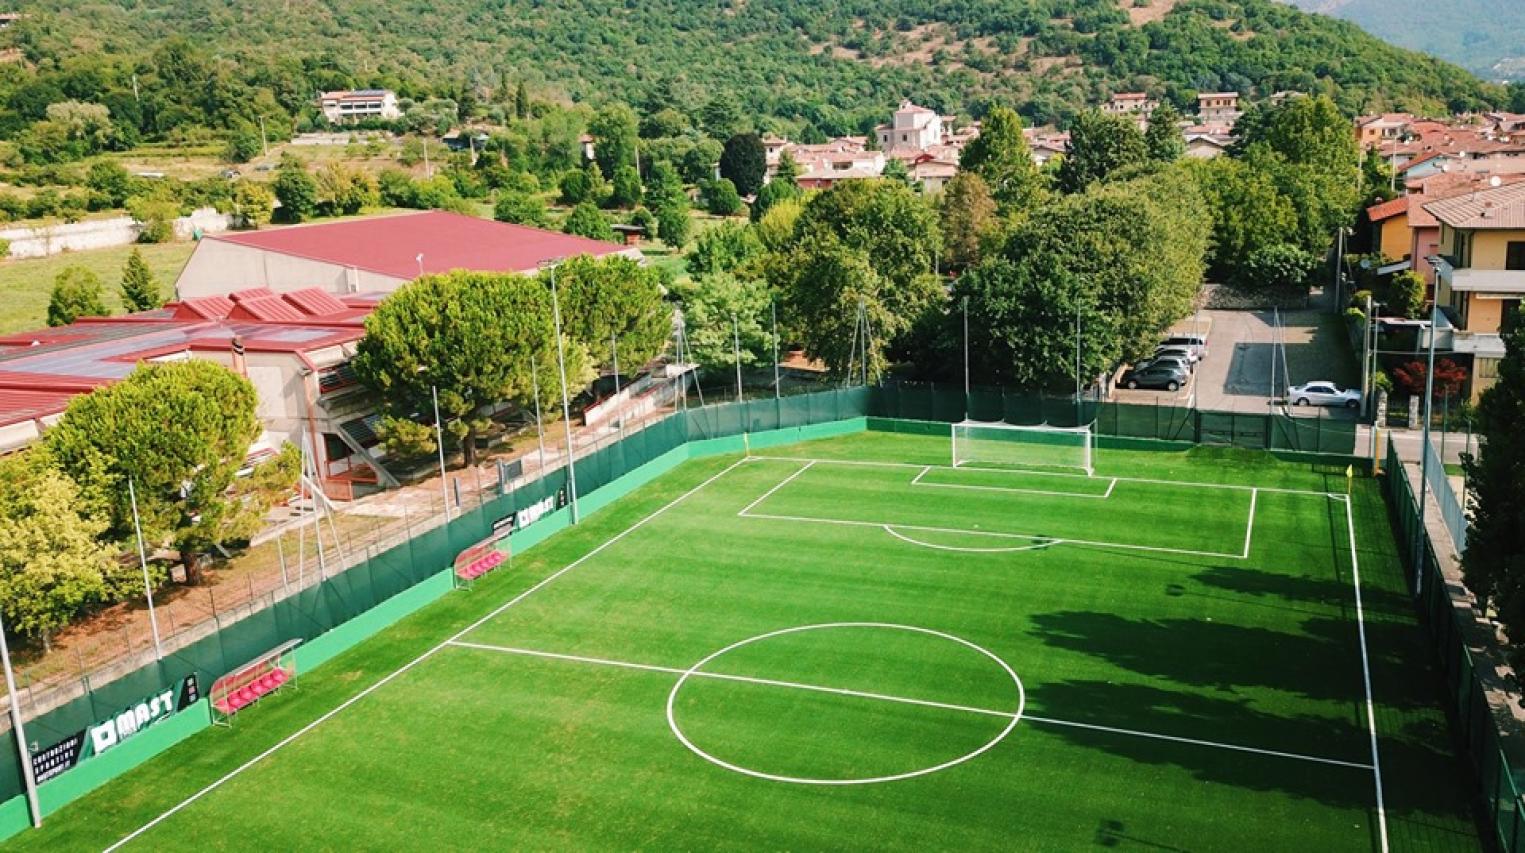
(845, 643)
(26, 284)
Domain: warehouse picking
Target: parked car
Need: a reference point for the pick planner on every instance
(1196, 343)
(1168, 377)
(1175, 361)
(1187, 354)
(1323, 393)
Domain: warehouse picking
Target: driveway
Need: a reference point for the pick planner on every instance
(1237, 374)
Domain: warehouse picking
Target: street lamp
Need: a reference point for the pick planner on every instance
(549, 266)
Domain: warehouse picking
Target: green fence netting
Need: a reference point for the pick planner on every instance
(907, 407)
(1465, 693)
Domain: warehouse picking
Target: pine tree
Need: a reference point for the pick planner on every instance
(1163, 138)
(140, 289)
(521, 102)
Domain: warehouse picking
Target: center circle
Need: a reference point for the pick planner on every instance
(697, 671)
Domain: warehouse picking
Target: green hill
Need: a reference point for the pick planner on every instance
(1485, 36)
(830, 65)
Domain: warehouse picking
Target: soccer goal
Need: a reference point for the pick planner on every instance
(977, 442)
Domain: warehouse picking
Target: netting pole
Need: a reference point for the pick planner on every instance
(1424, 458)
(777, 386)
(19, 731)
(566, 405)
(614, 349)
(439, 439)
(967, 399)
(736, 352)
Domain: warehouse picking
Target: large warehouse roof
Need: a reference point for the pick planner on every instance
(391, 245)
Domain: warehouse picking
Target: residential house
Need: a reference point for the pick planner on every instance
(1136, 105)
(1480, 273)
(1046, 146)
(359, 104)
(1218, 108)
(933, 174)
(911, 127)
(1204, 142)
(1391, 235)
(1375, 129)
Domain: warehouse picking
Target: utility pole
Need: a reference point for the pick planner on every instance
(1424, 460)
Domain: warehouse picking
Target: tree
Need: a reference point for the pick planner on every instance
(155, 217)
(1494, 562)
(673, 225)
(968, 216)
(585, 220)
(521, 102)
(109, 180)
(665, 122)
(253, 203)
(520, 209)
(243, 145)
(470, 336)
(140, 289)
(721, 198)
(663, 185)
(895, 170)
(1100, 144)
(1449, 378)
(1249, 213)
(1406, 295)
(1282, 266)
(724, 248)
(721, 117)
(1163, 138)
(718, 310)
(614, 297)
(76, 293)
(52, 560)
(297, 192)
(627, 188)
(788, 169)
(861, 245)
(698, 163)
(344, 190)
(744, 163)
(179, 431)
(1305, 147)
(613, 129)
(775, 191)
(576, 187)
(1001, 157)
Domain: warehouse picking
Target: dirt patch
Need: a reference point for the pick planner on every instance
(1141, 15)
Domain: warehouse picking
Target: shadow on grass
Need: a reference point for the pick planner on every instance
(1296, 589)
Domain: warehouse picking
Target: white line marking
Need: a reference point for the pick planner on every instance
(916, 481)
(782, 483)
(1250, 528)
(410, 664)
(874, 464)
(990, 712)
(1028, 536)
(891, 531)
(1371, 713)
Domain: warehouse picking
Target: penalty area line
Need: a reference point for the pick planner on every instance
(230, 775)
(905, 700)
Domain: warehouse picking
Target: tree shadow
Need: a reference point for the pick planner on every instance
(1295, 589)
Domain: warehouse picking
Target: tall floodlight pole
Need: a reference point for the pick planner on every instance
(736, 353)
(539, 432)
(148, 589)
(566, 404)
(439, 442)
(778, 388)
(19, 731)
(1424, 460)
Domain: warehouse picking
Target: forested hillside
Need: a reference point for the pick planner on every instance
(1484, 36)
(805, 66)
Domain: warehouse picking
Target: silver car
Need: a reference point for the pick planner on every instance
(1323, 393)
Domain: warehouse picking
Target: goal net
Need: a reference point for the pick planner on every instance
(976, 442)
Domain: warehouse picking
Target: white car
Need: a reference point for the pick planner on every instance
(1323, 393)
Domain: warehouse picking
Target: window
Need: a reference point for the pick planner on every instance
(1514, 255)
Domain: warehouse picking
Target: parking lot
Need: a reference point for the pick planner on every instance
(1236, 376)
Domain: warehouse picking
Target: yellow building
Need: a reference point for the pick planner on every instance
(1391, 236)
(1480, 273)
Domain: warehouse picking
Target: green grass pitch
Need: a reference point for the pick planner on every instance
(848, 644)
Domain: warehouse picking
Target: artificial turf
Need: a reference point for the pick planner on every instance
(1200, 688)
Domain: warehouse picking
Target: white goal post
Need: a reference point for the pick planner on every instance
(976, 442)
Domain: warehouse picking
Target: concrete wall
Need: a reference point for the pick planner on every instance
(219, 267)
(44, 240)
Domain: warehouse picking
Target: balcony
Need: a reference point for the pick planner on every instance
(1469, 280)
(1480, 344)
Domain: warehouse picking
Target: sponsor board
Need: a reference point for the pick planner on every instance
(93, 740)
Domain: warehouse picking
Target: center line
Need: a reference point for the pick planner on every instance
(906, 700)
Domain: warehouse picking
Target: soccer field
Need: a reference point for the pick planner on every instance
(849, 643)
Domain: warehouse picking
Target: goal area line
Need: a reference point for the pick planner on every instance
(917, 481)
(905, 700)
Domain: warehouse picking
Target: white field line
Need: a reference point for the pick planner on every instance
(1184, 483)
(1027, 536)
(1048, 544)
(970, 709)
(1371, 713)
(782, 483)
(412, 663)
(916, 481)
(1249, 529)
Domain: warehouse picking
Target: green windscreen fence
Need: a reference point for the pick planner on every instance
(1466, 695)
(384, 573)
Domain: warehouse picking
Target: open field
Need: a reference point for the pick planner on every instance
(847, 643)
(25, 284)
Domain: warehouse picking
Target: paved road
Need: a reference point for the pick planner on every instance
(1237, 375)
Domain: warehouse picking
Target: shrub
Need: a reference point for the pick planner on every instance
(1280, 266)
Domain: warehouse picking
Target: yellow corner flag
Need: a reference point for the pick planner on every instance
(1350, 475)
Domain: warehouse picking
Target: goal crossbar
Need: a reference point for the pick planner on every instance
(1023, 446)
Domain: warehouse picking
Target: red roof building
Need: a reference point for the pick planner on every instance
(373, 254)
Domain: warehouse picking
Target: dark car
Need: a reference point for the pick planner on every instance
(1155, 376)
